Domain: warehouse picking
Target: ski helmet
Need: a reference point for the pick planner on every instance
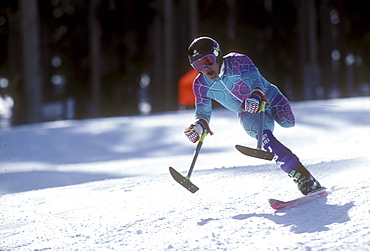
(202, 47)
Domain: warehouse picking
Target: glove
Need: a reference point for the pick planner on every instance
(252, 104)
(194, 131)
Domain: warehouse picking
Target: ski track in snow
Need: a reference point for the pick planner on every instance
(103, 184)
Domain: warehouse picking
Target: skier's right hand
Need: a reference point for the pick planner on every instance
(195, 130)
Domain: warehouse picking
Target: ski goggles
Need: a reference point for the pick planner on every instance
(208, 60)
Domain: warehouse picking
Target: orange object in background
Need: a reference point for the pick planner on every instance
(186, 95)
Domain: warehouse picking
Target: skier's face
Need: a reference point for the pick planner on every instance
(212, 71)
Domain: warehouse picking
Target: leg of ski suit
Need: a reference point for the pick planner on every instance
(279, 110)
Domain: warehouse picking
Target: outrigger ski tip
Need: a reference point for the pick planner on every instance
(184, 181)
(255, 152)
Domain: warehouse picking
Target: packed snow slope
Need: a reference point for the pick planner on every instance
(103, 184)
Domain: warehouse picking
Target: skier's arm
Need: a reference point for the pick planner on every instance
(257, 84)
(201, 124)
(203, 111)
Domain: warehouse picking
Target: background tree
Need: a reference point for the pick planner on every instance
(95, 52)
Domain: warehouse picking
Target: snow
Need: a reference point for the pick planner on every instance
(103, 184)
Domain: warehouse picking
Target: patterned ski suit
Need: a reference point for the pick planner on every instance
(237, 79)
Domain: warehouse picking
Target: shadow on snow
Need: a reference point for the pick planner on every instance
(306, 220)
(35, 180)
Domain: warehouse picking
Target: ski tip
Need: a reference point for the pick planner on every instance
(275, 204)
(271, 201)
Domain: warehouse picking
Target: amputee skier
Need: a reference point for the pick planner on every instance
(235, 82)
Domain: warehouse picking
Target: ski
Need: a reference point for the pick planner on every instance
(282, 205)
(184, 181)
(255, 152)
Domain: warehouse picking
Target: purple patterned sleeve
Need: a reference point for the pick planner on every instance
(203, 103)
(250, 73)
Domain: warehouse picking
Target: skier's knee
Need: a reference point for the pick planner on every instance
(252, 133)
(287, 123)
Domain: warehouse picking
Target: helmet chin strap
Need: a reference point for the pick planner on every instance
(222, 69)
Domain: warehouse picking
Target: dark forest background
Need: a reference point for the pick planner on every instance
(64, 59)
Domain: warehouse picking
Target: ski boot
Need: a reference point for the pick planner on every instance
(306, 182)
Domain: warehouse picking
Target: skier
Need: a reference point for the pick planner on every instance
(235, 82)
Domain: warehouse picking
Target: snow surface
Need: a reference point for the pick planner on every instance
(103, 184)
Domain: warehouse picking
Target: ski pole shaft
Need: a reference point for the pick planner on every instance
(260, 126)
(196, 153)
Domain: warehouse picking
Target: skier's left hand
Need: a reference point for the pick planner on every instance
(253, 103)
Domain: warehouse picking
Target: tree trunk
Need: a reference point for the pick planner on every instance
(170, 96)
(95, 59)
(31, 59)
